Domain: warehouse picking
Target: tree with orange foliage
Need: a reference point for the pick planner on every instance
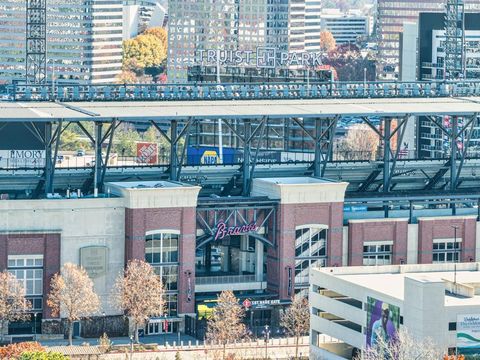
(13, 305)
(327, 41)
(72, 295)
(160, 33)
(13, 351)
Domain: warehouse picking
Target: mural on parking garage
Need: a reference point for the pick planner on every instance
(383, 321)
(468, 334)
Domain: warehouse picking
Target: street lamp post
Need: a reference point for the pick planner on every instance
(131, 347)
(266, 336)
(455, 227)
(103, 324)
(365, 79)
(35, 326)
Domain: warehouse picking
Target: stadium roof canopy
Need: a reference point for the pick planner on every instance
(141, 111)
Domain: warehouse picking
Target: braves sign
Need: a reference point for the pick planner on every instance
(147, 153)
(223, 230)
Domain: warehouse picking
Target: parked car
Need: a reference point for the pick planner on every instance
(80, 152)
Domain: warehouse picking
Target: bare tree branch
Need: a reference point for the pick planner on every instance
(72, 295)
(13, 305)
(296, 319)
(139, 293)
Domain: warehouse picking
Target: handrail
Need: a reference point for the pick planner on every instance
(240, 91)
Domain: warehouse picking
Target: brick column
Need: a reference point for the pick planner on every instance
(186, 270)
(304, 202)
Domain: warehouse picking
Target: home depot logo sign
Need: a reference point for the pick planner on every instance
(147, 153)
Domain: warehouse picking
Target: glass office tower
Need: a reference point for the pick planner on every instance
(84, 40)
(223, 27)
(391, 15)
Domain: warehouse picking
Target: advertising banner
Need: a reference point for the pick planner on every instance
(383, 321)
(468, 334)
(22, 158)
(147, 153)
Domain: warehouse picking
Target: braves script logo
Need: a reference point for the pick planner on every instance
(223, 230)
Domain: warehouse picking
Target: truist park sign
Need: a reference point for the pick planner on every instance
(223, 230)
(262, 57)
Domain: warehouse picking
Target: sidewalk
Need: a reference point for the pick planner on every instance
(147, 339)
(278, 349)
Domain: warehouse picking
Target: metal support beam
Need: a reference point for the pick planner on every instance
(402, 126)
(466, 144)
(187, 134)
(247, 125)
(56, 139)
(110, 132)
(160, 130)
(262, 132)
(48, 158)
(330, 132)
(85, 131)
(386, 154)
(317, 162)
(98, 157)
(453, 154)
(173, 150)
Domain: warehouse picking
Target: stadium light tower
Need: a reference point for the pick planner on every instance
(36, 42)
(454, 39)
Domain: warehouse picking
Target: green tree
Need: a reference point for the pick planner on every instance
(142, 52)
(125, 142)
(71, 141)
(40, 355)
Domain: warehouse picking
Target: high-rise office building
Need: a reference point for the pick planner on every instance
(346, 27)
(313, 10)
(391, 14)
(208, 33)
(84, 40)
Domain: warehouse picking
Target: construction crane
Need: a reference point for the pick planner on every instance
(36, 42)
(454, 39)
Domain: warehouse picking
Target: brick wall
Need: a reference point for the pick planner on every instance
(381, 230)
(46, 244)
(139, 221)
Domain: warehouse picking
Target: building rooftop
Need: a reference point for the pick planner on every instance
(390, 280)
(147, 184)
(296, 180)
(231, 109)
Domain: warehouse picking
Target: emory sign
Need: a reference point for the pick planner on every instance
(223, 230)
(262, 57)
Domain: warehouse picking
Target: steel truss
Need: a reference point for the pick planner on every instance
(179, 131)
(236, 215)
(36, 42)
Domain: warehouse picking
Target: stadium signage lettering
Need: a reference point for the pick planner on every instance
(262, 57)
(26, 154)
(223, 230)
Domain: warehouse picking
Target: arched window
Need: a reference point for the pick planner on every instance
(310, 250)
(161, 251)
